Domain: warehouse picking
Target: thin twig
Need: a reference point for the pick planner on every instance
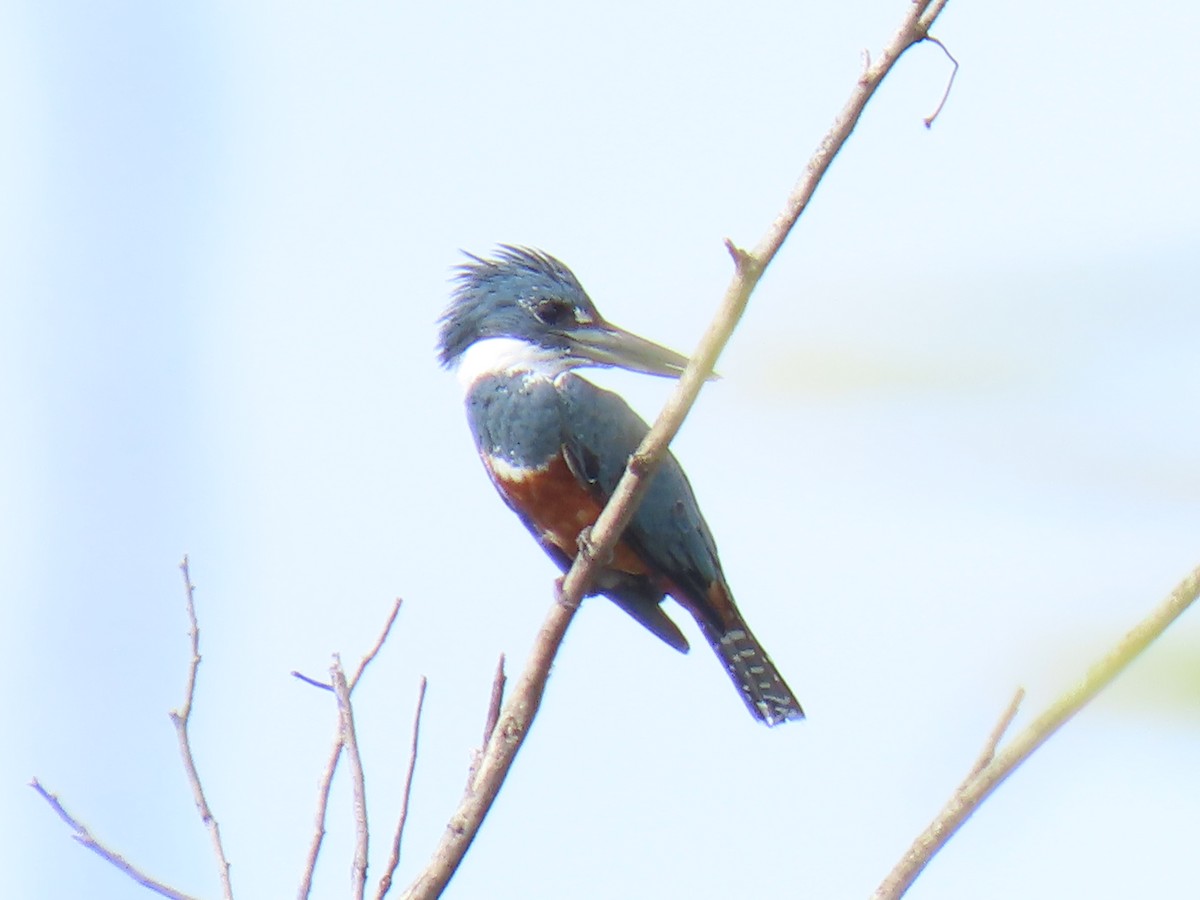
(976, 789)
(522, 705)
(85, 837)
(949, 82)
(180, 718)
(374, 651)
(312, 682)
(988, 753)
(385, 883)
(335, 754)
(314, 847)
(358, 870)
(495, 701)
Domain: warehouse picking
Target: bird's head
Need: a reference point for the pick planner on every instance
(525, 310)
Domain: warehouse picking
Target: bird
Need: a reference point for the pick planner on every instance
(554, 444)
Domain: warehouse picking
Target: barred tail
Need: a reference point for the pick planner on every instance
(763, 689)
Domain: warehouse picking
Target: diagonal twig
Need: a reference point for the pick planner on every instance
(374, 651)
(385, 883)
(85, 837)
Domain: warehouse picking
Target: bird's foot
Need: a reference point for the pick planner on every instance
(588, 550)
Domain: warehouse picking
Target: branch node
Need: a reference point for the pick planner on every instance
(741, 258)
(993, 742)
(562, 597)
(638, 464)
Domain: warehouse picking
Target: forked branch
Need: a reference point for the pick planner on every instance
(180, 718)
(335, 754)
(997, 766)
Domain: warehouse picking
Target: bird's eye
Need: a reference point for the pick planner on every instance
(553, 312)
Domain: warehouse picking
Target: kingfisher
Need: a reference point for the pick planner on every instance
(555, 445)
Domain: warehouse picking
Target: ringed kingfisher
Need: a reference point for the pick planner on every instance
(555, 446)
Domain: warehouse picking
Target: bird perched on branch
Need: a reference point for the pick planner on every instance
(555, 446)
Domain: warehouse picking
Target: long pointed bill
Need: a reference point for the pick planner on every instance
(608, 345)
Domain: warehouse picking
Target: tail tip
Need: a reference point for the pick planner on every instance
(777, 710)
(766, 694)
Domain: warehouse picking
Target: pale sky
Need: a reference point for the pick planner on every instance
(954, 450)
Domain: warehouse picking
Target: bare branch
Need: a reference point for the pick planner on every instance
(180, 718)
(335, 754)
(314, 848)
(980, 784)
(84, 836)
(385, 883)
(522, 705)
(358, 870)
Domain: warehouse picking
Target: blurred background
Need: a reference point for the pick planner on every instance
(954, 451)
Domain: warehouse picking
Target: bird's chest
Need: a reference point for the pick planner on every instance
(520, 428)
(550, 499)
(516, 420)
(557, 506)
